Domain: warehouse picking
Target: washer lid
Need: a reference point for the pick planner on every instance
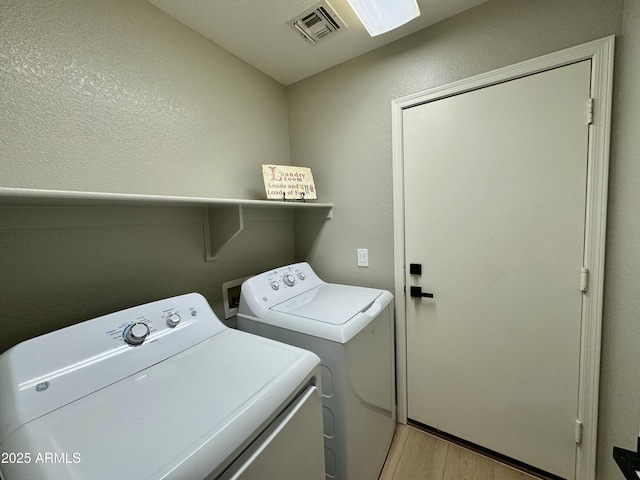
(330, 303)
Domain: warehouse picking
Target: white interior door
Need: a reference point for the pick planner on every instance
(495, 183)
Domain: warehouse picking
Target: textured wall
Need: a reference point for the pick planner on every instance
(65, 265)
(340, 125)
(116, 96)
(620, 388)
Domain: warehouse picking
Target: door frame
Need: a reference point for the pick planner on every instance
(600, 52)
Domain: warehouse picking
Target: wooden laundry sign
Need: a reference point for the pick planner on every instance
(284, 182)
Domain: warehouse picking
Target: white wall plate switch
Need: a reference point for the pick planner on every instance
(363, 257)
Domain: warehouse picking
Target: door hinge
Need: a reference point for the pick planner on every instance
(578, 432)
(584, 279)
(590, 111)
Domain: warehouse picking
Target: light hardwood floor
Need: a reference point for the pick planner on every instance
(417, 455)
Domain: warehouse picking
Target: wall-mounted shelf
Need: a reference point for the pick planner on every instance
(32, 196)
(223, 221)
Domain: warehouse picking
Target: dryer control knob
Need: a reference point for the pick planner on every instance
(173, 320)
(289, 280)
(136, 334)
(275, 285)
(301, 275)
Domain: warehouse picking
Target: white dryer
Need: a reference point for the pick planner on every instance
(159, 391)
(351, 329)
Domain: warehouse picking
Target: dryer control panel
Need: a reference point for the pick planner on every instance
(286, 276)
(276, 286)
(46, 372)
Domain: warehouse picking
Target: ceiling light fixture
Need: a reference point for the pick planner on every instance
(381, 16)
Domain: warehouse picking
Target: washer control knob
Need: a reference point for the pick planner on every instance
(275, 285)
(289, 280)
(173, 320)
(136, 334)
(301, 275)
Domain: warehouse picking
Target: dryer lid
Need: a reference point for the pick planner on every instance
(330, 303)
(188, 416)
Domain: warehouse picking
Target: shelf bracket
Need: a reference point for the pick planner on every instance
(221, 225)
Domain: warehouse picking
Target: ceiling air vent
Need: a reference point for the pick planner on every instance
(317, 23)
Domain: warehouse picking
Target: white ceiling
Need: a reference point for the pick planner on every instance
(257, 31)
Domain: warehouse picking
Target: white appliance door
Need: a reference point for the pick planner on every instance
(291, 448)
(495, 183)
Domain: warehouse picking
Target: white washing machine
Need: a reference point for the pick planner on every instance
(159, 391)
(351, 329)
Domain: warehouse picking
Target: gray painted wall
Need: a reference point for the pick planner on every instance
(340, 126)
(116, 96)
(619, 387)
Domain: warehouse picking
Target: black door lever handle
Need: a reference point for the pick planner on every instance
(416, 292)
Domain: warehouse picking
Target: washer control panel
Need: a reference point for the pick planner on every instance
(286, 277)
(279, 285)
